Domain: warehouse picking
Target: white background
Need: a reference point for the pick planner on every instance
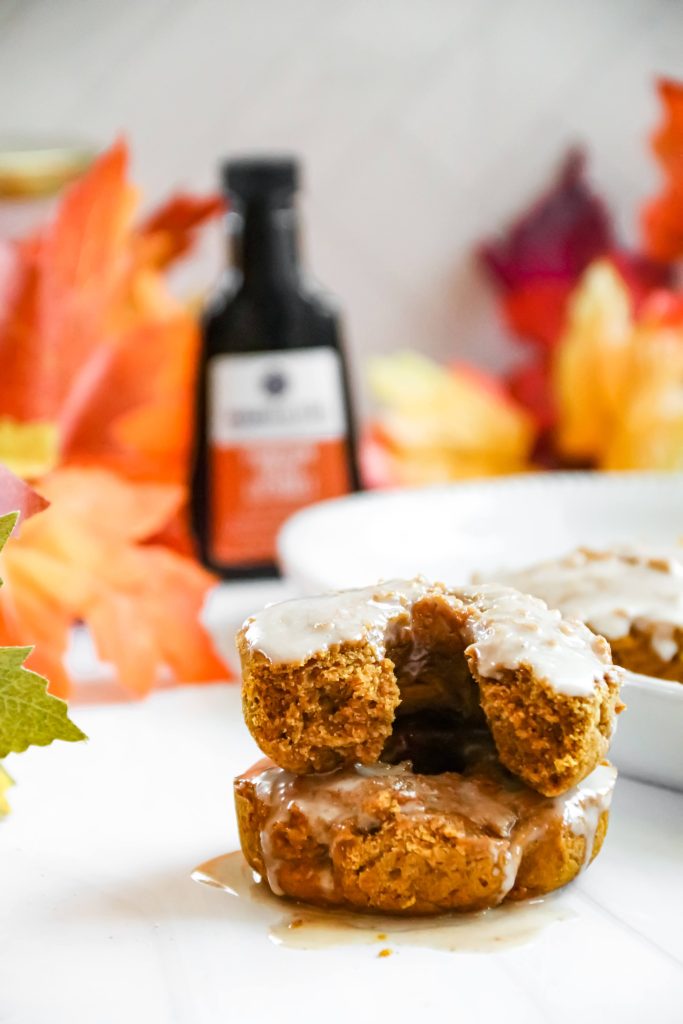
(424, 126)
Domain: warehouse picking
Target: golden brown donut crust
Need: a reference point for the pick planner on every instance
(384, 856)
(336, 709)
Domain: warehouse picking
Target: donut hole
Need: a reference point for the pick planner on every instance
(431, 678)
(436, 742)
(439, 724)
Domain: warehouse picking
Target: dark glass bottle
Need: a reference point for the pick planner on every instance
(274, 429)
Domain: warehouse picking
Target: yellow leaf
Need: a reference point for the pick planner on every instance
(445, 423)
(6, 781)
(649, 432)
(28, 449)
(591, 370)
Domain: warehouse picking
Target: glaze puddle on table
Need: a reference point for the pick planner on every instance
(306, 927)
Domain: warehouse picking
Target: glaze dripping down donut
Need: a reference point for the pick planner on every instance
(381, 837)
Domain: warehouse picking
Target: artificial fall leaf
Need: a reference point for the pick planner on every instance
(539, 311)
(643, 276)
(535, 310)
(97, 359)
(169, 230)
(648, 434)
(43, 613)
(9, 271)
(63, 286)
(537, 265)
(92, 344)
(29, 715)
(531, 386)
(7, 523)
(87, 558)
(662, 218)
(20, 345)
(591, 362)
(440, 424)
(28, 449)
(82, 265)
(619, 377)
(16, 496)
(139, 387)
(6, 781)
(556, 239)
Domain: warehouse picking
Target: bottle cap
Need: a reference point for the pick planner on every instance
(261, 177)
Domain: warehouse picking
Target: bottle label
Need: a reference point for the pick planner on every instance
(277, 435)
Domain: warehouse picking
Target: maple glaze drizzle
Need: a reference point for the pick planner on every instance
(298, 926)
(510, 815)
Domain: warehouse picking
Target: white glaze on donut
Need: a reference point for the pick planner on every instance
(582, 806)
(504, 630)
(294, 631)
(513, 818)
(510, 629)
(613, 591)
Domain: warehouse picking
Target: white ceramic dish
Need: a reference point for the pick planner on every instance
(649, 741)
(449, 532)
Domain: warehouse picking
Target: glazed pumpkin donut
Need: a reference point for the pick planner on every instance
(633, 596)
(383, 838)
(325, 678)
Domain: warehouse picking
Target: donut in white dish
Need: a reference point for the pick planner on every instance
(632, 596)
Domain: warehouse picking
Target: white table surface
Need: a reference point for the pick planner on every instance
(100, 922)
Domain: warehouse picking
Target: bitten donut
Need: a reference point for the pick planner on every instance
(632, 596)
(325, 678)
(383, 838)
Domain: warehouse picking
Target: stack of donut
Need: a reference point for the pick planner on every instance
(430, 749)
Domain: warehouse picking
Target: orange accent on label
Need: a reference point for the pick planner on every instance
(256, 485)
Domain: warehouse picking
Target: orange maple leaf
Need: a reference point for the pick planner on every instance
(96, 352)
(87, 558)
(662, 217)
(90, 338)
(169, 230)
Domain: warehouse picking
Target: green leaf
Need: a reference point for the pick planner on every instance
(29, 715)
(7, 523)
(6, 781)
